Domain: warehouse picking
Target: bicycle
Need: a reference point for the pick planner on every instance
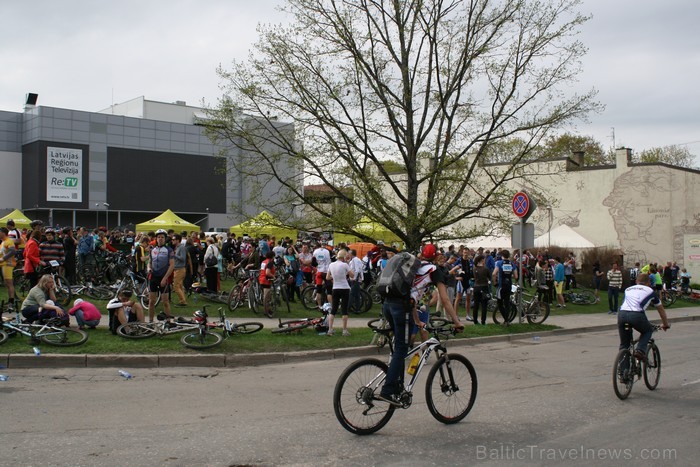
(230, 328)
(200, 337)
(580, 297)
(49, 331)
(450, 389)
(534, 310)
(380, 339)
(627, 367)
(320, 323)
(163, 327)
(63, 289)
(139, 288)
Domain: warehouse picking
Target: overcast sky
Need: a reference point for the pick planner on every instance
(644, 58)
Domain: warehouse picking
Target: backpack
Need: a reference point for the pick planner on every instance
(397, 277)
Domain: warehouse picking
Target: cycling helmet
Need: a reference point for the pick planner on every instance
(429, 251)
(161, 232)
(49, 231)
(199, 316)
(35, 223)
(326, 308)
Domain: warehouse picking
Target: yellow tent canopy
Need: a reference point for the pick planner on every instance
(371, 229)
(263, 224)
(168, 220)
(21, 221)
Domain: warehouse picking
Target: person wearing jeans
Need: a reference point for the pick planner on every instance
(614, 286)
(86, 314)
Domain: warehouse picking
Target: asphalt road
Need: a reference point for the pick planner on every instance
(543, 403)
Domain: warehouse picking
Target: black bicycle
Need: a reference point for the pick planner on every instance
(627, 368)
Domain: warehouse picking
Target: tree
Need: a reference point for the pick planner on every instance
(430, 85)
(566, 144)
(679, 156)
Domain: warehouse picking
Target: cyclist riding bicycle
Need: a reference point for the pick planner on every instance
(637, 298)
(401, 313)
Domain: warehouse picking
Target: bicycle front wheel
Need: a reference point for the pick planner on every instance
(65, 337)
(623, 377)
(235, 298)
(246, 328)
(308, 298)
(652, 367)
(450, 390)
(538, 313)
(201, 340)
(252, 299)
(354, 402)
(136, 331)
(3, 336)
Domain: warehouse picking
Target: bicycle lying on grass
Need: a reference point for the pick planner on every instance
(626, 367)
(579, 297)
(48, 331)
(450, 388)
(203, 338)
(319, 323)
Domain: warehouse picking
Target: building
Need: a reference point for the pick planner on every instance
(120, 166)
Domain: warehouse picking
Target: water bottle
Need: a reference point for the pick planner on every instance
(4, 377)
(37, 352)
(125, 374)
(536, 339)
(413, 366)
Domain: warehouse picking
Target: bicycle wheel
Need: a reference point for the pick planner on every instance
(497, 316)
(652, 367)
(538, 312)
(450, 390)
(308, 298)
(62, 290)
(376, 323)
(3, 336)
(623, 377)
(22, 285)
(366, 301)
(136, 331)
(201, 340)
(667, 299)
(584, 297)
(252, 300)
(286, 327)
(354, 401)
(285, 297)
(372, 291)
(65, 337)
(99, 292)
(250, 327)
(435, 322)
(235, 298)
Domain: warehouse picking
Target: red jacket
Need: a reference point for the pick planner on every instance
(31, 256)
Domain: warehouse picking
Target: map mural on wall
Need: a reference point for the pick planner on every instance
(641, 206)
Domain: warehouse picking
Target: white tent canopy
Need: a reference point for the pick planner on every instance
(563, 236)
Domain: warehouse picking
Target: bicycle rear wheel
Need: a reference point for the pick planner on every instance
(22, 285)
(623, 377)
(201, 339)
(354, 402)
(286, 327)
(252, 299)
(136, 331)
(652, 367)
(99, 292)
(308, 298)
(450, 390)
(235, 298)
(246, 328)
(65, 337)
(538, 313)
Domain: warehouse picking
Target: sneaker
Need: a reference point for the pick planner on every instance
(610, 312)
(330, 332)
(558, 305)
(640, 356)
(392, 399)
(269, 314)
(346, 333)
(469, 318)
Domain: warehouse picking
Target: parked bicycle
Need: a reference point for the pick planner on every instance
(524, 304)
(627, 368)
(49, 331)
(450, 389)
(139, 288)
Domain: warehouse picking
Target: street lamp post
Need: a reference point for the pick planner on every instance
(97, 215)
(106, 205)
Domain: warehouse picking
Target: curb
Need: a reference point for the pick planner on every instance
(259, 359)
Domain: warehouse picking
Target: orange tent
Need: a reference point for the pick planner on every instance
(362, 248)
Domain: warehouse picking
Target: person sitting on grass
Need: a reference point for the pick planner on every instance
(122, 310)
(86, 314)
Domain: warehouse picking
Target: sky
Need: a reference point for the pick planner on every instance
(643, 59)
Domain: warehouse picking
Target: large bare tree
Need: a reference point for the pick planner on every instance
(429, 85)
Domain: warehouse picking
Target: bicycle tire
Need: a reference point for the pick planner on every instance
(285, 297)
(65, 337)
(286, 327)
(366, 301)
(235, 297)
(145, 296)
(3, 336)
(252, 300)
(497, 316)
(99, 292)
(354, 400)
(63, 291)
(667, 299)
(201, 340)
(435, 322)
(375, 296)
(136, 331)
(455, 404)
(250, 327)
(539, 313)
(623, 380)
(21, 283)
(652, 367)
(308, 298)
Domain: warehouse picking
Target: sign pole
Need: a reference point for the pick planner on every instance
(520, 269)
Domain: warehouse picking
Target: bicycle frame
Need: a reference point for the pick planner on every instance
(33, 331)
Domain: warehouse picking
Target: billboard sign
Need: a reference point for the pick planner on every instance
(64, 175)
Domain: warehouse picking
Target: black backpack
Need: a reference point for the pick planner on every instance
(398, 275)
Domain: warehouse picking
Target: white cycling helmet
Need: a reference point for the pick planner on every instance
(161, 232)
